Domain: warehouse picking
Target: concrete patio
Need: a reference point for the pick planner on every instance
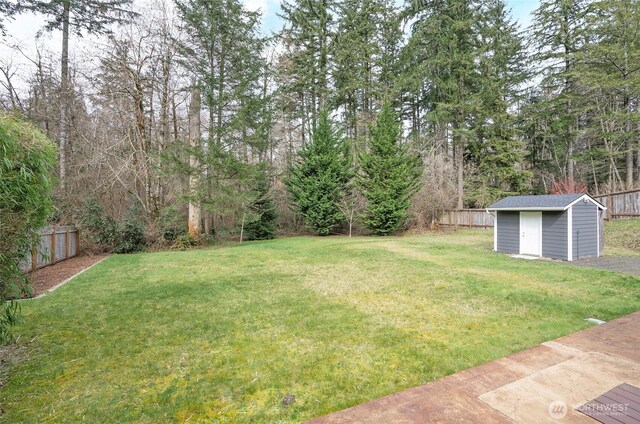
(540, 385)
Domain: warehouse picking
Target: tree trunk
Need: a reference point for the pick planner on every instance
(195, 211)
(638, 164)
(220, 105)
(629, 154)
(569, 48)
(638, 160)
(323, 62)
(458, 148)
(64, 96)
(165, 124)
(143, 142)
(460, 165)
(570, 168)
(629, 165)
(570, 148)
(304, 119)
(242, 227)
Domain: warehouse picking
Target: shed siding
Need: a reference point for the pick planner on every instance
(508, 228)
(585, 230)
(601, 215)
(554, 235)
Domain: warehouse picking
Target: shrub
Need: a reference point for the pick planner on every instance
(262, 225)
(27, 159)
(437, 194)
(109, 235)
(184, 242)
(97, 228)
(172, 224)
(130, 237)
(568, 186)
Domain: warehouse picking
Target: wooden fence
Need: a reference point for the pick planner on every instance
(56, 244)
(470, 218)
(620, 205)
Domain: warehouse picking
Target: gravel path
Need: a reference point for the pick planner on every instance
(628, 264)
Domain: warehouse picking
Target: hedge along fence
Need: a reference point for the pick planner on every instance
(57, 243)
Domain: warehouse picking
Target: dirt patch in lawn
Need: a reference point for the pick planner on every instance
(45, 278)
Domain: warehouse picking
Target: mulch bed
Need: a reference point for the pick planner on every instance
(44, 278)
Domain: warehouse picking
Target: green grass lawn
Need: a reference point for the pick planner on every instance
(223, 334)
(622, 237)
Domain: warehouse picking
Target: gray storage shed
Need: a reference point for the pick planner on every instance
(559, 226)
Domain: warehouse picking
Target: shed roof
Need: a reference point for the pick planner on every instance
(548, 202)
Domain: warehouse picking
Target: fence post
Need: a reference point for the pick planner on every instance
(34, 256)
(469, 214)
(53, 246)
(66, 244)
(77, 241)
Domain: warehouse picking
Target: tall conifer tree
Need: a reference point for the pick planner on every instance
(559, 32)
(224, 55)
(496, 150)
(390, 175)
(366, 47)
(441, 73)
(608, 73)
(319, 180)
(307, 37)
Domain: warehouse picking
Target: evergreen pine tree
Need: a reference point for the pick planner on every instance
(262, 225)
(390, 175)
(559, 32)
(7, 9)
(366, 48)
(441, 76)
(223, 53)
(307, 38)
(319, 180)
(608, 73)
(496, 150)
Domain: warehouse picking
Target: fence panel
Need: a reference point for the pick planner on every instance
(621, 205)
(43, 249)
(470, 218)
(55, 244)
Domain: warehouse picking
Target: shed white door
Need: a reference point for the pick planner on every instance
(531, 233)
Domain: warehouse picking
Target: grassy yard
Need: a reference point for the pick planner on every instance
(222, 335)
(622, 237)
